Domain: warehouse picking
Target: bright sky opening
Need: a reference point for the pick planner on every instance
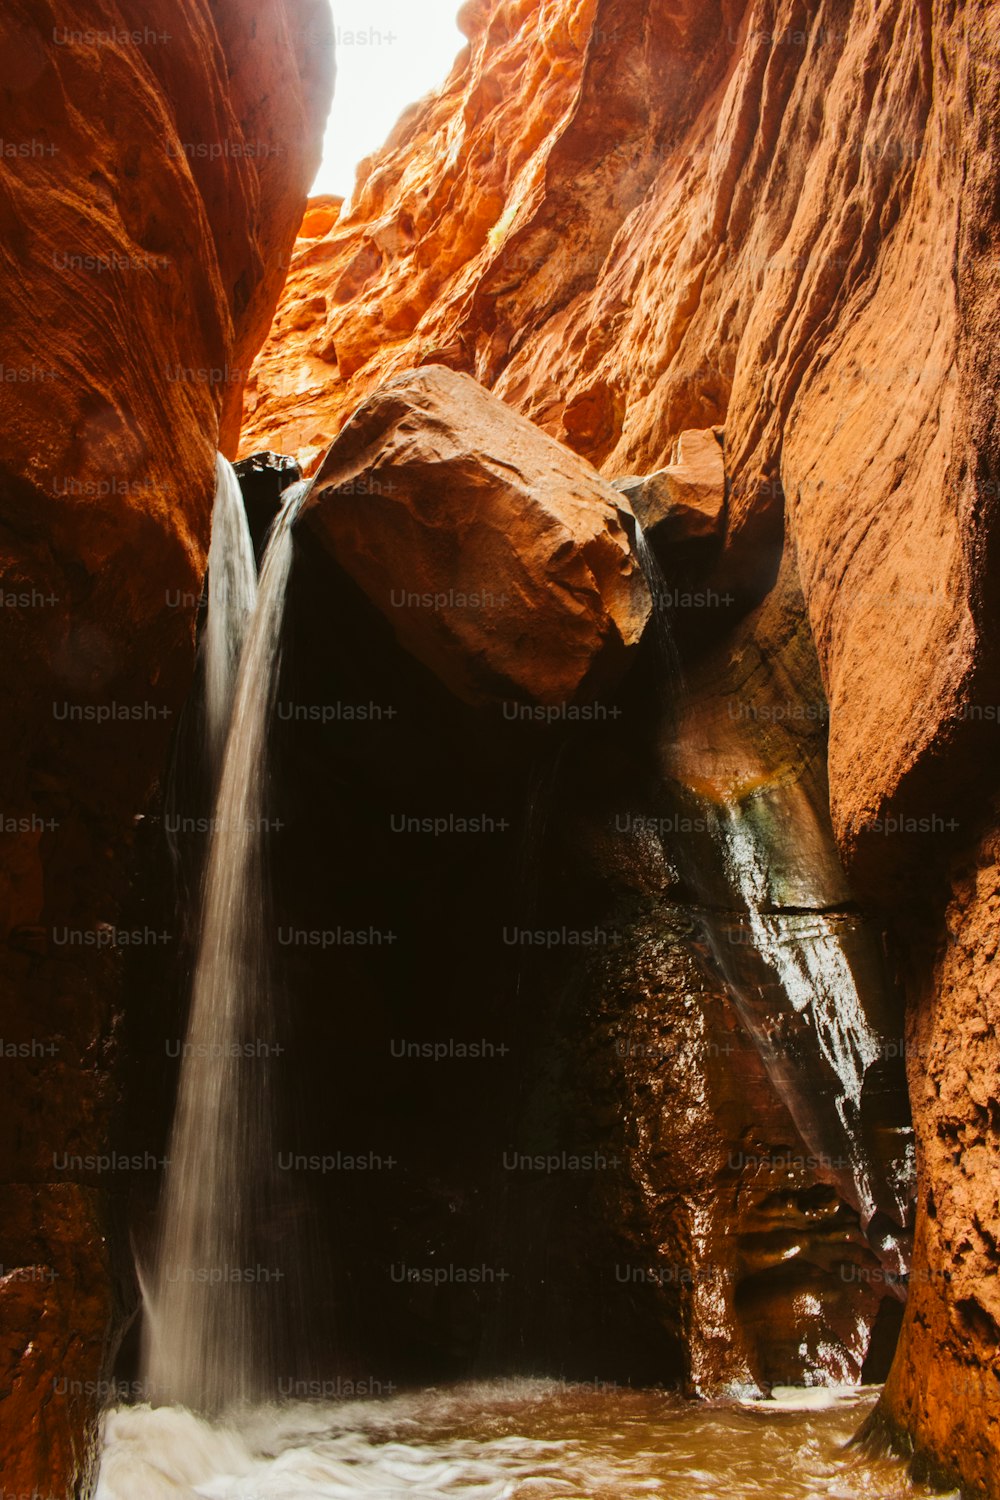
(390, 53)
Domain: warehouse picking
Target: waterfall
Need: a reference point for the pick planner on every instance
(212, 1333)
(815, 975)
(232, 594)
(668, 657)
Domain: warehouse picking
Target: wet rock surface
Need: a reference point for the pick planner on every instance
(264, 478)
(777, 222)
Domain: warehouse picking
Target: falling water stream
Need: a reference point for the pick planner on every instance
(232, 595)
(816, 977)
(816, 1035)
(209, 1337)
(669, 675)
(805, 951)
(806, 954)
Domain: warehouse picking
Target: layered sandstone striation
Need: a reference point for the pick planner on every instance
(154, 170)
(634, 220)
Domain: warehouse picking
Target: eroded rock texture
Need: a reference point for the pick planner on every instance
(631, 220)
(943, 1396)
(155, 163)
(749, 213)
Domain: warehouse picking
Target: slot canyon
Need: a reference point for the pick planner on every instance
(500, 793)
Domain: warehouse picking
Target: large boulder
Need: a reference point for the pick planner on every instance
(499, 556)
(686, 501)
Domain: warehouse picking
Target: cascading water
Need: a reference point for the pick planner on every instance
(668, 657)
(539, 1439)
(212, 1331)
(232, 594)
(212, 1342)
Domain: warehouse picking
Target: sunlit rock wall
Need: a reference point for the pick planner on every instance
(630, 220)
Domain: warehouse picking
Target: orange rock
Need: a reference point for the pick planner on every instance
(499, 557)
(56, 1308)
(666, 253)
(938, 1392)
(320, 217)
(686, 500)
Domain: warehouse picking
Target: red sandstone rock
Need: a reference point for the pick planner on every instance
(939, 1392)
(686, 500)
(55, 1305)
(701, 216)
(499, 557)
(651, 249)
(154, 170)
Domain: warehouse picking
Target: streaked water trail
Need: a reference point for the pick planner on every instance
(232, 594)
(211, 1332)
(669, 675)
(817, 979)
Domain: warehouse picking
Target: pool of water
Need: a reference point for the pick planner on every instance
(510, 1440)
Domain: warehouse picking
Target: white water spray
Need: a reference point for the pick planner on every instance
(212, 1334)
(232, 594)
(669, 662)
(536, 1440)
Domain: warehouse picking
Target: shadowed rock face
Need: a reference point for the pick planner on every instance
(600, 1128)
(782, 220)
(159, 170)
(499, 557)
(629, 221)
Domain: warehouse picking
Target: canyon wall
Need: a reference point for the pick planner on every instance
(154, 168)
(778, 219)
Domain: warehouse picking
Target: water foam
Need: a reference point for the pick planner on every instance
(232, 595)
(510, 1440)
